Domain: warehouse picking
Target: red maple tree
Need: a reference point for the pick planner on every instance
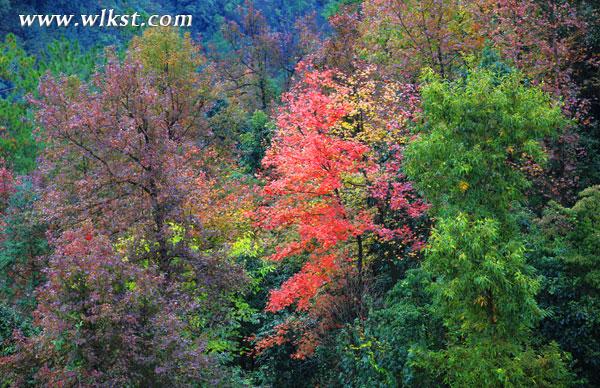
(324, 192)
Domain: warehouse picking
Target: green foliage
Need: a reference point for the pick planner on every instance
(576, 233)
(67, 57)
(566, 253)
(22, 244)
(380, 352)
(333, 6)
(477, 128)
(483, 287)
(499, 364)
(254, 140)
(485, 293)
(10, 320)
(19, 76)
(273, 367)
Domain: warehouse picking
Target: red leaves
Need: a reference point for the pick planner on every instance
(277, 338)
(307, 166)
(322, 176)
(303, 286)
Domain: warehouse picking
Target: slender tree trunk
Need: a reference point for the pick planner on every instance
(359, 267)
(359, 263)
(159, 224)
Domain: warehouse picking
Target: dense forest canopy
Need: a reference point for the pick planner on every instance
(307, 193)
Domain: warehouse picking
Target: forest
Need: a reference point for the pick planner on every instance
(302, 193)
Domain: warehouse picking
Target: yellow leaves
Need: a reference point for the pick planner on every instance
(247, 245)
(164, 51)
(347, 126)
(177, 232)
(463, 186)
(378, 107)
(481, 301)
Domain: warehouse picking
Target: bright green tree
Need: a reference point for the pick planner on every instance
(479, 134)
